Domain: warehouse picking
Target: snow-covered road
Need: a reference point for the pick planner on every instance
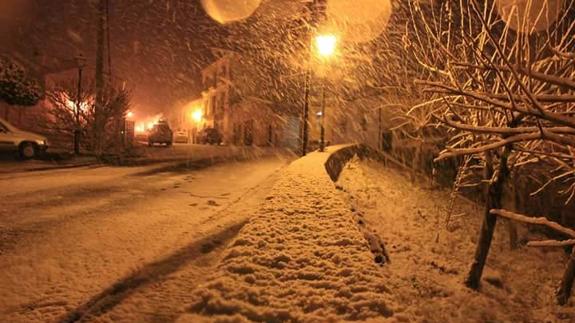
(75, 241)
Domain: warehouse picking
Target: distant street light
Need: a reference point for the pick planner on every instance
(80, 62)
(197, 115)
(129, 114)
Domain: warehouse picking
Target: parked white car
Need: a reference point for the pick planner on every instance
(181, 137)
(27, 144)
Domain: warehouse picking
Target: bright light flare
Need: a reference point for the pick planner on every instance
(325, 45)
(197, 115)
(140, 128)
(84, 106)
(147, 124)
(130, 114)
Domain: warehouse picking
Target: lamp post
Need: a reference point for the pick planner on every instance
(128, 117)
(318, 15)
(307, 85)
(325, 47)
(322, 124)
(81, 62)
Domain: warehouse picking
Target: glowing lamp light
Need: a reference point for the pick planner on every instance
(325, 45)
(197, 115)
(130, 114)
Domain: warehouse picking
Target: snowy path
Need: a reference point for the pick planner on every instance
(300, 259)
(68, 237)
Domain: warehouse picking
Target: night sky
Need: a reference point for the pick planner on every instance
(157, 46)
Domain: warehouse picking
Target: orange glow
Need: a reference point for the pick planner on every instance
(71, 104)
(197, 115)
(139, 128)
(147, 123)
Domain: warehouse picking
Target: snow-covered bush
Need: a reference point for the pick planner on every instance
(16, 88)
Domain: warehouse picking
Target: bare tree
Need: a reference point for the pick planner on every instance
(63, 107)
(507, 96)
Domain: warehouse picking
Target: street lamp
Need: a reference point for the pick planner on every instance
(325, 46)
(80, 62)
(197, 115)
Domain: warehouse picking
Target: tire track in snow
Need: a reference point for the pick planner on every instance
(153, 272)
(111, 297)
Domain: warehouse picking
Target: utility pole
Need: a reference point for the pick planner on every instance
(81, 61)
(100, 82)
(379, 130)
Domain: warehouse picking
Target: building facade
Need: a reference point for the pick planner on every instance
(242, 120)
(217, 87)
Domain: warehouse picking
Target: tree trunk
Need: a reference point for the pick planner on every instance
(416, 162)
(512, 229)
(492, 201)
(511, 226)
(564, 290)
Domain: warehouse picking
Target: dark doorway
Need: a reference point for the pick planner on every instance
(249, 133)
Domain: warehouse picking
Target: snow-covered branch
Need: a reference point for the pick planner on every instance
(534, 220)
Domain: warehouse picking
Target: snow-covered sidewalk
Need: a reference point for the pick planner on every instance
(300, 258)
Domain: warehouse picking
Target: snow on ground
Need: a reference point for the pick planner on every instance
(300, 258)
(427, 274)
(72, 237)
(303, 258)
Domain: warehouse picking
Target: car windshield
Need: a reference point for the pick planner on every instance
(162, 127)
